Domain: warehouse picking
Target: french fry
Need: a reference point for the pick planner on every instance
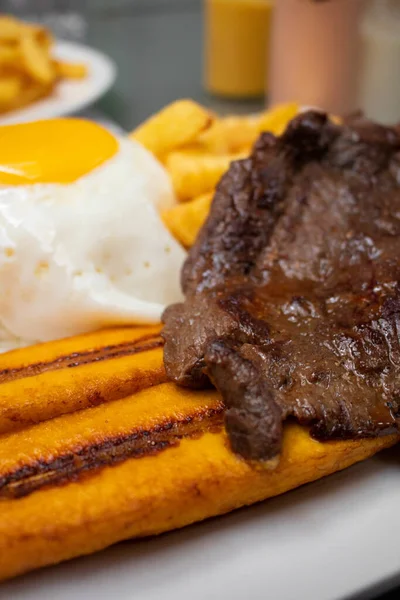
(185, 219)
(231, 134)
(10, 87)
(173, 127)
(196, 169)
(36, 62)
(30, 91)
(276, 119)
(67, 70)
(236, 133)
(194, 173)
(9, 56)
(11, 29)
(42, 36)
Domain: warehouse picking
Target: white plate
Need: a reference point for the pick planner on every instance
(70, 95)
(325, 541)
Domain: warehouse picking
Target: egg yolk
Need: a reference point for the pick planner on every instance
(52, 151)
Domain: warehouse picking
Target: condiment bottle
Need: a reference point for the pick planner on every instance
(236, 35)
(315, 53)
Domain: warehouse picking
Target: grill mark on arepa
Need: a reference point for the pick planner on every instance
(139, 443)
(77, 359)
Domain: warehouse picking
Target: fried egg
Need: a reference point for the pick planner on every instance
(82, 245)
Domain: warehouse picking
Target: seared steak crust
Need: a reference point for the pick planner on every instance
(292, 288)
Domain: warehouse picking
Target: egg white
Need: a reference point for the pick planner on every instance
(94, 253)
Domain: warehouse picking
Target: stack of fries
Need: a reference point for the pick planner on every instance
(27, 70)
(197, 147)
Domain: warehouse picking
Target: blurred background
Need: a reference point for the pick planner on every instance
(235, 55)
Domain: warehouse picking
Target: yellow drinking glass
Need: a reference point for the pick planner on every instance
(236, 41)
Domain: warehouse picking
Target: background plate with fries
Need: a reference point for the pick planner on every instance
(71, 94)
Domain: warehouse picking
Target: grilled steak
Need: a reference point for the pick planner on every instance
(292, 293)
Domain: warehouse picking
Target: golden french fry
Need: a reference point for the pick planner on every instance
(238, 133)
(29, 92)
(9, 55)
(196, 169)
(194, 173)
(36, 60)
(11, 29)
(42, 35)
(67, 70)
(231, 134)
(276, 119)
(173, 127)
(10, 88)
(185, 219)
